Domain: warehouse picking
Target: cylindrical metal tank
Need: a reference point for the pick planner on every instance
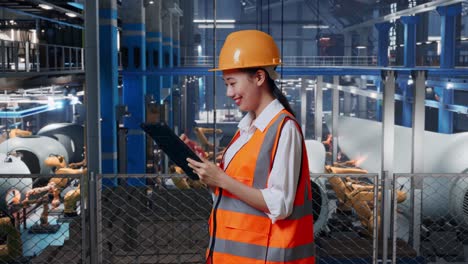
(71, 136)
(442, 198)
(12, 165)
(319, 204)
(34, 150)
(316, 155)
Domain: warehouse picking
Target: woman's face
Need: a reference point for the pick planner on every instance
(243, 88)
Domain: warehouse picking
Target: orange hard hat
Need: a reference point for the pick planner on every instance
(248, 49)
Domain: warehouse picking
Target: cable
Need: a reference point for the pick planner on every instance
(282, 41)
(214, 81)
(269, 17)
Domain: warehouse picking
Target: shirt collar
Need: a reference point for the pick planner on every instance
(270, 111)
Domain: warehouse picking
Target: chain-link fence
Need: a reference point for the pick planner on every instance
(163, 221)
(40, 219)
(345, 222)
(433, 219)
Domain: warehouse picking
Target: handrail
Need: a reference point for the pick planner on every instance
(25, 56)
(294, 61)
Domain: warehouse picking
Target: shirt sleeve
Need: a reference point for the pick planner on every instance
(284, 176)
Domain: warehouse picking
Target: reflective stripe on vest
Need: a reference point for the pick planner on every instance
(259, 252)
(288, 240)
(235, 205)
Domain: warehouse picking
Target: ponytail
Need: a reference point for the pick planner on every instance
(273, 88)
(280, 96)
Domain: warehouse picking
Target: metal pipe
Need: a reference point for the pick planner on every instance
(63, 59)
(417, 155)
(214, 81)
(15, 55)
(335, 114)
(84, 207)
(55, 58)
(395, 223)
(47, 58)
(303, 105)
(426, 7)
(93, 126)
(3, 54)
(26, 55)
(388, 139)
(375, 236)
(318, 108)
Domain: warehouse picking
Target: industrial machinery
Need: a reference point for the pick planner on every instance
(357, 195)
(13, 248)
(54, 188)
(443, 153)
(10, 188)
(34, 150)
(443, 198)
(70, 135)
(201, 133)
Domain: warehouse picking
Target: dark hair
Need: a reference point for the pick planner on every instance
(273, 88)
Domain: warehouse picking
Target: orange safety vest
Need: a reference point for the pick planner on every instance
(241, 234)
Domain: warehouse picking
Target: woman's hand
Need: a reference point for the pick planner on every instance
(209, 172)
(193, 145)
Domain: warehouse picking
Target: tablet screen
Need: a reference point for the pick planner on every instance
(172, 145)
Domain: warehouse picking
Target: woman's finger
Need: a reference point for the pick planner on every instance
(194, 162)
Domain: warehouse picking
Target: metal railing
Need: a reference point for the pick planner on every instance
(18, 56)
(295, 61)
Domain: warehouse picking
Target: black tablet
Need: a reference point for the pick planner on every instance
(172, 145)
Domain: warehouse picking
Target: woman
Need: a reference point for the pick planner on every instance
(262, 209)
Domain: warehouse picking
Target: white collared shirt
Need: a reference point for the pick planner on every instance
(282, 183)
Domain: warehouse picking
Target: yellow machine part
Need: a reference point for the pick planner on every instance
(14, 246)
(70, 200)
(357, 195)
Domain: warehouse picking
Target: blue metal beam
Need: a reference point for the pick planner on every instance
(383, 42)
(109, 89)
(454, 84)
(155, 59)
(168, 80)
(410, 40)
(134, 89)
(448, 15)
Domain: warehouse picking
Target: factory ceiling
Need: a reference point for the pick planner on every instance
(58, 10)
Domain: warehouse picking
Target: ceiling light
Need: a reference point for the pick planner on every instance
(315, 26)
(217, 26)
(212, 21)
(360, 47)
(71, 14)
(151, 2)
(46, 7)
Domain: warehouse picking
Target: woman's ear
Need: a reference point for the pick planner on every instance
(260, 77)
